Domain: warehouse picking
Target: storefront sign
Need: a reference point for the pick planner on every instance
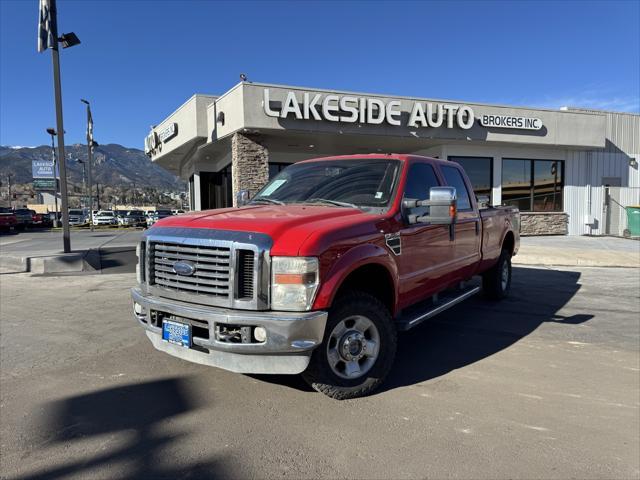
(506, 121)
(43, 169)
(151, 143)
(168, 132)
(372, 111)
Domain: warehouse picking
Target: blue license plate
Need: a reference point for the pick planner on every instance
(176, 333)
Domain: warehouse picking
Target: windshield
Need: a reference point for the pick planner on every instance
(165, 213)
(135, 213)
(360, 183)
(105, 214)
(76, 212)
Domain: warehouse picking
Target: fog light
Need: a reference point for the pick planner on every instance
(137, 308)
(260, 334)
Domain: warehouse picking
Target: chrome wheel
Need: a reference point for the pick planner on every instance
(353, 347)
(504, 275)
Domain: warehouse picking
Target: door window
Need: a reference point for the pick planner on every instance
(420, 179)
(454, 179)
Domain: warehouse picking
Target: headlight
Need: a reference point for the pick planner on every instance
(294, 282)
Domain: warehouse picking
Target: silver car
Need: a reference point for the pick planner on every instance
(78, 216)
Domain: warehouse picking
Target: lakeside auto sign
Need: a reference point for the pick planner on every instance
(374, 111)
(43, 169)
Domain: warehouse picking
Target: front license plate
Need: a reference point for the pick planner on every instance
(176, 333)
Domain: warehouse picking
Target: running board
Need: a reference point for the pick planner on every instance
(412, 317)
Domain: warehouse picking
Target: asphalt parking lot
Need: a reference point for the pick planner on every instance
(543, 385)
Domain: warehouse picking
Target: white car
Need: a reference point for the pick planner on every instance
(105, 217)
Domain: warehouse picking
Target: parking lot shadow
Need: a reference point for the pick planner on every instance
(138, 409)
(477, 328)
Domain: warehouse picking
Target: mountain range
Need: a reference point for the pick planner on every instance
(113, 165)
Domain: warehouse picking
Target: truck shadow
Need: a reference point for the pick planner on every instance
(474, 329)
(135, 413)
(477, 328)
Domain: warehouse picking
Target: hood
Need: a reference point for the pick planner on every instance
(288, 225)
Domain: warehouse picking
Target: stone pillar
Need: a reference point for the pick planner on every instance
(249, 164)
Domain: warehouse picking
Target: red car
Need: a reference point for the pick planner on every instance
(8, 220)
(318, 272)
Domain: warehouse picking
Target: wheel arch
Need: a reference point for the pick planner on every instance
(367, 268)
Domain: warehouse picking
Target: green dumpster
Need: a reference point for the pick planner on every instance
(633, 220)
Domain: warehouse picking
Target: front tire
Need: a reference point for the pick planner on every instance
(496, 282)
(358, 349)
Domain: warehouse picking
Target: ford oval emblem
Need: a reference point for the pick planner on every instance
(184, 267)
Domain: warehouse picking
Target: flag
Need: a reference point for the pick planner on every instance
(47, 28)
(90, 128)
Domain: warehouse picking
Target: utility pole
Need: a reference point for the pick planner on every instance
(9, 184)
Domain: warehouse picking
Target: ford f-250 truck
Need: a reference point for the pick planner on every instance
(320, 269)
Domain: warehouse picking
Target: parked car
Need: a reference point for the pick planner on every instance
(153, 217)
(321, 269)
(105, 217)
(24, 217)
(8, 220)
(133, 218)
(41, 220)
(78, 216)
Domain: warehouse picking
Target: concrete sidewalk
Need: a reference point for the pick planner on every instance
(579, 251)
(41, 252)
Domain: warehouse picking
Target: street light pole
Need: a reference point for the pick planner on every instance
(57, 86)
(90, 143)
(52, 132)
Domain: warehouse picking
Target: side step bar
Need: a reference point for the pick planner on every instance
(415, 317)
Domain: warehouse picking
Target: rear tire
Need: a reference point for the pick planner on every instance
(358, 349)
(496, 282)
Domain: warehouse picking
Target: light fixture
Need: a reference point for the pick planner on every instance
(69, 40)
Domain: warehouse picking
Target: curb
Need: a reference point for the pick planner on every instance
(94, 260)
(570, 262)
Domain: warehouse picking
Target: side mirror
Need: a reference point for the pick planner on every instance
(442, 205)
(242, 198)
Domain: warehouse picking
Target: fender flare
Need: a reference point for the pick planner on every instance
(349, 262)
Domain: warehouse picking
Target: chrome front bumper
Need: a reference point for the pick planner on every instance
(291, 336)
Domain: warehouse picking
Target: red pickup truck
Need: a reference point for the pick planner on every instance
(320, 269)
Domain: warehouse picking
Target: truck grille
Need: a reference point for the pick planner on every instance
(212, 268)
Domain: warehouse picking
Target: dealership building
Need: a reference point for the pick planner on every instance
(569, 171)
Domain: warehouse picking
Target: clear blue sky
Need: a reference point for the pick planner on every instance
(139, 60)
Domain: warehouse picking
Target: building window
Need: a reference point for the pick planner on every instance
(453, 177)
(480, 172)
(533, 185)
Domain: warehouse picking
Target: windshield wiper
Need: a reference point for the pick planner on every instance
(267, 200)
(331, 202)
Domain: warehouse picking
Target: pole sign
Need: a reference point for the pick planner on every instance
(43, 169)
(46, 184)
